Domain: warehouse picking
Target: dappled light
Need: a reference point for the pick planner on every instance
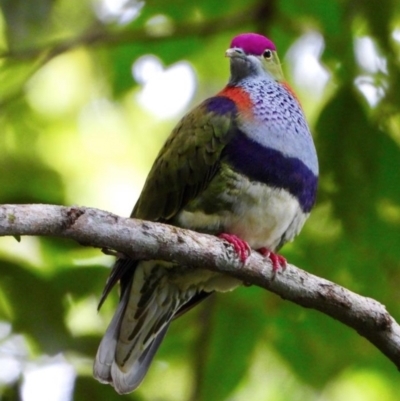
(117, 11)
(91, 90)
(165, 92)
(304, 61)
(51, 379)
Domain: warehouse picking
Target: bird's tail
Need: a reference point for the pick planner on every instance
(148, 304)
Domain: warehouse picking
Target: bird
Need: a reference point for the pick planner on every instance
(242, 166)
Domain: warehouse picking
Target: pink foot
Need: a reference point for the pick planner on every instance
(241, 247)
(278, 261)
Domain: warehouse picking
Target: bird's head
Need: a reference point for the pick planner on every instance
(252, 54)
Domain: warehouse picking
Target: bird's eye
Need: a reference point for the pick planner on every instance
(267, 54)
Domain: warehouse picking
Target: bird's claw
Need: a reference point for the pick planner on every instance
(242, 248)
(278, 261)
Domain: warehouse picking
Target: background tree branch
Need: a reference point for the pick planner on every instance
(148, 240)
(100, 35)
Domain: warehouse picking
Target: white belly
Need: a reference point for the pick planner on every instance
(260, 215)
(265, 216)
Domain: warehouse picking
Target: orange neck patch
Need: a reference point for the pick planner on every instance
(239, 96)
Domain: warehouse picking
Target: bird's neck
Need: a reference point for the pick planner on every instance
(238, 95)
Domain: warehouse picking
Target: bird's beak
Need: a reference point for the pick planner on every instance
(233, 53)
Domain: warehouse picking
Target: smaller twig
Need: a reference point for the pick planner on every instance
(99, 35)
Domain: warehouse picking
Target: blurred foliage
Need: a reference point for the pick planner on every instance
(76, 130)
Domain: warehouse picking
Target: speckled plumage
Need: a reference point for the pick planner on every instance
(241, 163)
(279, 122)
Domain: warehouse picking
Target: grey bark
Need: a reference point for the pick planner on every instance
(149, 240)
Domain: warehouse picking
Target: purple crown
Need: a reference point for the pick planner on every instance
(252, 43)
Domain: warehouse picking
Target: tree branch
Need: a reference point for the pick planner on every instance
(99, 35)
(148, 240)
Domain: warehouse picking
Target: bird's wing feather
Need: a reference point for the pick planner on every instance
(122, 271)
(188, 160)
(184, 167)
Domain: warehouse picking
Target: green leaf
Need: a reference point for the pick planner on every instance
(24, 19)
(236, 331)
(36, 307)
(29, 181)
(347, 144)
(326, 15)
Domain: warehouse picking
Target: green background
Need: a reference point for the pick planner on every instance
(73, 131)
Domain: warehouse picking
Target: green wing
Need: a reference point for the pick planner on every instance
(188, 160)
(184, 167)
